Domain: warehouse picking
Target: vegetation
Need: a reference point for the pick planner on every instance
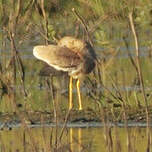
(119, 90)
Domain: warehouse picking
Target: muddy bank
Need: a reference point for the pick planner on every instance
(75, 118)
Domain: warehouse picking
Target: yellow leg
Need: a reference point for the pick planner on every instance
(79, 96)
(70, 93)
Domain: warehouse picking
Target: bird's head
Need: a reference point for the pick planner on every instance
(90, 50)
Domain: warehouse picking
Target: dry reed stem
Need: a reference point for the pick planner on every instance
(82, 21)
(109, 62)
(45, 20)
(17, 59)
(139, 65)
(64, 125)
(141, 79)
(51, 88)
(100, 20)
(41, 33)
(14, 16)
(130, 56)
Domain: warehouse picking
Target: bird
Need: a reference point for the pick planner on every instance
(72, 55)
(48, 71)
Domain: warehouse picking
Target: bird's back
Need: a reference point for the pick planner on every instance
(75, 56)
(84, 49)
(72, 43)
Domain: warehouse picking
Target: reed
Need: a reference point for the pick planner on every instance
(27, 23)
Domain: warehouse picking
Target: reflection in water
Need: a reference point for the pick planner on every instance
(79, 138)
(113, 139)
(75, 141)
(71, 139)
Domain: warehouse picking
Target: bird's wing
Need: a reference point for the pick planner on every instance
(48, 70)
(61, 58)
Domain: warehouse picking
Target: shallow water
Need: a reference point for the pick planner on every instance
(91, 139)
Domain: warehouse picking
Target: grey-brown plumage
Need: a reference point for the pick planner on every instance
(70, 55)
(48, 71)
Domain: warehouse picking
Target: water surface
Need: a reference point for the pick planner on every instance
(92, 139)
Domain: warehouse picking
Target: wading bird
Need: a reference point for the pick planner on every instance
(70, 55)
